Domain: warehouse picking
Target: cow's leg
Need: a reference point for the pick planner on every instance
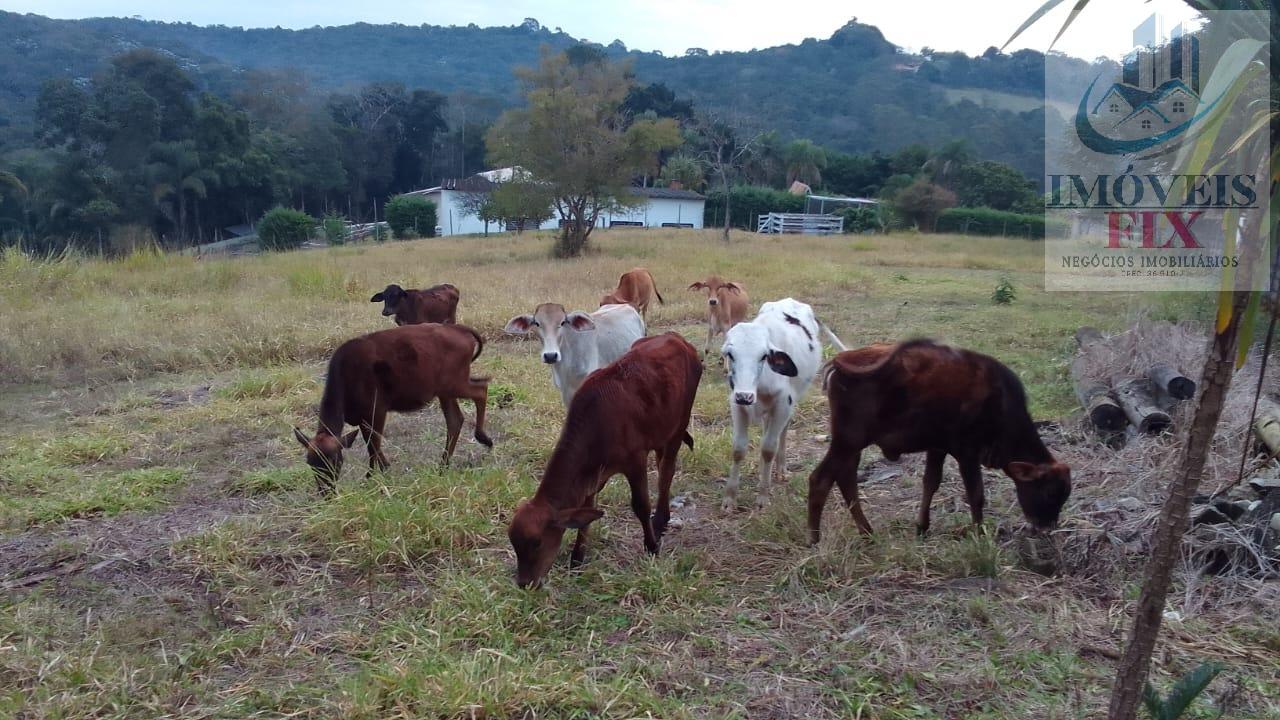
(666, 471)
(971, 473)
(711, 333)
(638, 478)
(774, 424)
(780, 462)
(848, 483)
(741, 425)
(932, 479)
(373, 440)
(820, 481)
(480, 396)
(453, 427)
(579, 554)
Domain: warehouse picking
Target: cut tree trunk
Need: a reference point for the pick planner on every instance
(1173, 383)
(1267, 428)
(1140, 407)
(1095, 396)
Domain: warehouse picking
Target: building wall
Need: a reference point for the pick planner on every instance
(656, 211)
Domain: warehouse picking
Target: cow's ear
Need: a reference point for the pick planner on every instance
(581, 321)
(377, 298)
(782, 363)
(577, 518)
(697, 286)
(1022, 472)
(519, 325)
(734, 287)
(350, 438)
(302, 438)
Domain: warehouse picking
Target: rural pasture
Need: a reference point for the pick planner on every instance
(163, 551)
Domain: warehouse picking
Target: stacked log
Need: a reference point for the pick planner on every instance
(1140, 402)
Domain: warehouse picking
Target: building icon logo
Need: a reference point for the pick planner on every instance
(1154, 101)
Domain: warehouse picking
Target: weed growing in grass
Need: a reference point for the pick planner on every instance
(267, 383)
(80, 449)
(79, 497)
(263, 482)
(1004, 294)
(315, 281)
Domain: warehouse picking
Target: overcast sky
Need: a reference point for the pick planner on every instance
(671, 26)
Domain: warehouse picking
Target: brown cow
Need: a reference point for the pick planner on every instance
(438, 304)
(635, 288)
(399, 370)
(919, 396)
(637, 405)
(726, 306)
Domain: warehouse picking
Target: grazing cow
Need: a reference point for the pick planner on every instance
(624, 411)
(726, 306)
(437, 304)
(576, 344)
(635, 288)
(398, 370)
(770, 361)
(919, 396)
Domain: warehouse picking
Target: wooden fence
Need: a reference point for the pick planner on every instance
(800, 224)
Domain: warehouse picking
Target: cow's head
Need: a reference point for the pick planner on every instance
(717, 289)
(390, 299)
(1043, 488)
(549, 320)
(612, 298)
(535, 533)
(324, 455)
(747, 353)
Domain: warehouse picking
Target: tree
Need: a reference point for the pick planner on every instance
(174, 174)
(805, 162)
(922, 202)
(726, 147)
(573, 138)
(284, 229)
(411, 216)
(948, 161)
(685, 170)
(521, 202)
(994, 185)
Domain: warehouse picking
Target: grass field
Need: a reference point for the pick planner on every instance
(164, 554)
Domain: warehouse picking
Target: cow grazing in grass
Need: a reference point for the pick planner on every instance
(771, 362)
(398, 370)
(437, 304)
(919, 396)
(575, 344)
(624, 411)
(727, 305)
(635, 288)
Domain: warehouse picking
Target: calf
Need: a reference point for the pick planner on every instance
(919, 396)
(635, 288)
(576, 344)
(770, 361)
(726, 306)
(437, 304)
(624, 411)
(398, 370)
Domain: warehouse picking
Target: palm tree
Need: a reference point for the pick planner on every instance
(945, 164)
(685, 170)
(174, 172)
(805, 162)
(1237, 310)
(8, 179)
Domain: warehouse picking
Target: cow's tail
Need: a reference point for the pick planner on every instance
(846, 366)
(688, 439)
(479, 340)
(654, 283)
(835, 341)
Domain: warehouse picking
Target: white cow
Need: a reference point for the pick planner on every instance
(576, 344)
(771, 362)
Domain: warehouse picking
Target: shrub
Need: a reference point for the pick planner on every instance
(335, 229)
(746, 203)
(860, 219)
(1004, 294)
(282, 228)
(985, 221)
(922, 203)
(411, 216)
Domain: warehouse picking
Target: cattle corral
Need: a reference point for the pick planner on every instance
(164, 552)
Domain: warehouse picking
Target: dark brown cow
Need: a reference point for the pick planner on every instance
(919, 396)
(637, 405)
(727, 305)
(437, 304)
(635, 288)
(399, 370)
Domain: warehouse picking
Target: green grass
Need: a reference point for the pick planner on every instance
(169, 400)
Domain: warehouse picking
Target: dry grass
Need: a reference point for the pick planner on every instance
(232, 591)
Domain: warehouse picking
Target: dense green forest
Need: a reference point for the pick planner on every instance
(181, 131)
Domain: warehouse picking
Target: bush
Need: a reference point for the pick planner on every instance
(284, 229)
(746, 203)
(922, 202)
(411, 216)
(335, 229)
(985, 221)
(860, 219)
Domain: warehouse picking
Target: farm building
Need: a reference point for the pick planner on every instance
(662, 207)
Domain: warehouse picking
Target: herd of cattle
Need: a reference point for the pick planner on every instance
(629, 395)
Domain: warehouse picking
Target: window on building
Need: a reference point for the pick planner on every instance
(1115, 107)
(1179, 106)
(1146, 124)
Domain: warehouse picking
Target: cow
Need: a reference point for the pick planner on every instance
(770, 362)
(575, 344)
(438, 304)
(919, 396)
(635, 288)
(639, 404)
(727, 305)
(401, 369)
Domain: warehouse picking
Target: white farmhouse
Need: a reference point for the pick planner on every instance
(662, 207)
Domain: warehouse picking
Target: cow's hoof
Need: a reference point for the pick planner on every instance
(728, 505)
(762, 502)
